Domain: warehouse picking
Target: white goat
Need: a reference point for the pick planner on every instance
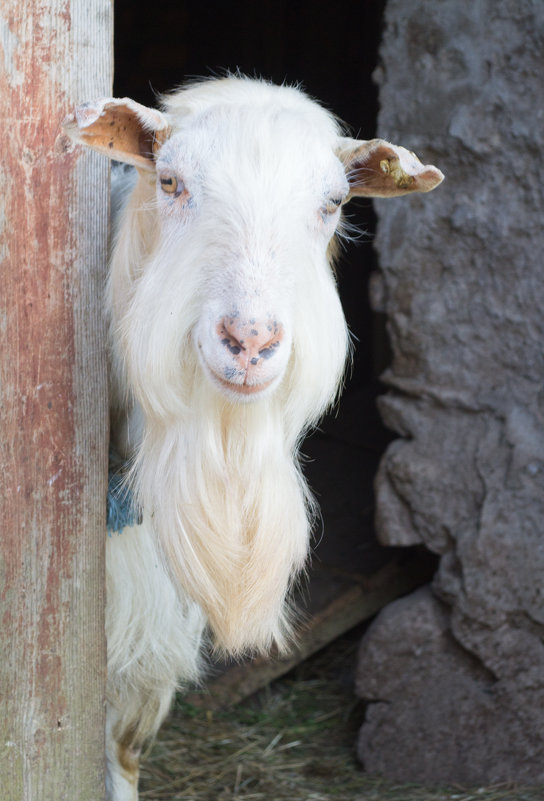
(227, 341)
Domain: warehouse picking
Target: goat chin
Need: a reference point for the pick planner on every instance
(231, 511)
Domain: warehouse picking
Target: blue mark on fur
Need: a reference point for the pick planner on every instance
(230, 373)
(122, 510)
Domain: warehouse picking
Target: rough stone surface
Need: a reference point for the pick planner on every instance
(456, 675)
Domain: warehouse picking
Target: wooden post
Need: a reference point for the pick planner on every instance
(53, 442)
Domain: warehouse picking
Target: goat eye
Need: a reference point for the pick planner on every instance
(169, 184)
(333, 204)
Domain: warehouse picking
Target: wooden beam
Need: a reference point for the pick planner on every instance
(53, 448)
(354, 604)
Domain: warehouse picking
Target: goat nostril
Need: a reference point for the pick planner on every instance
(233, 345)
(251, 341)
(269, 350)
(229, 340)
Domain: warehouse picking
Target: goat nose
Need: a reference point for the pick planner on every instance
(251, 340)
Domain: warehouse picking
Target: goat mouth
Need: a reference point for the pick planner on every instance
(236, 389)
(243, 389)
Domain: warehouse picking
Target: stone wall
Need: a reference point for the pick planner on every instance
(454, 674)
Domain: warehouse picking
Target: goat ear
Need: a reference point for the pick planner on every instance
(119, 128)
(377, 168)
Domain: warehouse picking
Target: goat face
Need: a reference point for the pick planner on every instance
(250, 204)
(249, 180)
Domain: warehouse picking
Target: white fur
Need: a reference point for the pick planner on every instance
(226, 509)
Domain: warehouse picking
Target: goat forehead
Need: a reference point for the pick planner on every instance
(251, 145)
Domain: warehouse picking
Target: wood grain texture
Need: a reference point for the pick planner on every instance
(53, 447)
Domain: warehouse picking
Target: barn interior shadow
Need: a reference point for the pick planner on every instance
(333, 55)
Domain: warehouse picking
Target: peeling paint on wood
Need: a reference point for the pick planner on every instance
(53, 449)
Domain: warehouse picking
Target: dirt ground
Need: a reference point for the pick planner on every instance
(293, 741)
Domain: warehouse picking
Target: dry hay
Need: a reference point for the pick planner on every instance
(293, 741)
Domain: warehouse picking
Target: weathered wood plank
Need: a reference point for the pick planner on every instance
(53, 448)
(356, 602)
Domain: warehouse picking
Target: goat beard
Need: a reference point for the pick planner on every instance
(232, 514)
